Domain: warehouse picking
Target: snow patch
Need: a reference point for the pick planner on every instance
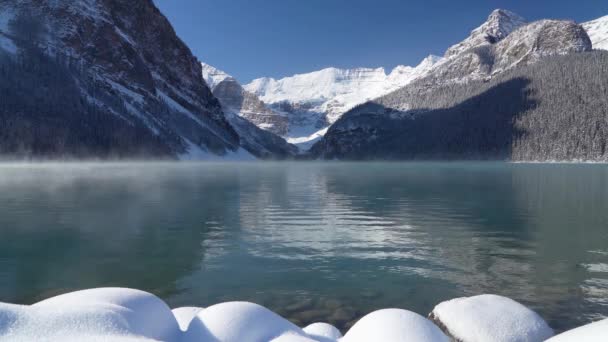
(125, 36)
(594, 332)
(8, 45)
(185, 315)
(598, 32)
(213, 76)
(491, 318)
(305, 142)
(323, 331)
(6, 15)
(197, 153)
(125, 91)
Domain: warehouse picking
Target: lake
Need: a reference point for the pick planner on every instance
(311, 241)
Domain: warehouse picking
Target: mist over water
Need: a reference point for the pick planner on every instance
(311, 241)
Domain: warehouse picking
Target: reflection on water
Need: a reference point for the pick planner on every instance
(312, 241)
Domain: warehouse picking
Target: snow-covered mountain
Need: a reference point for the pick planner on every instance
(237, 101)
(315, 100)
(500, 24)
(112, 80)
(598, 32)
(467, 104)
(258, 126)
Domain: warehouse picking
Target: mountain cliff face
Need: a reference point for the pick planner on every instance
(598, 32)
(487, 99)
(311, 102)
(235, 99)
(122, 66)
(499, 25)
(258, 126)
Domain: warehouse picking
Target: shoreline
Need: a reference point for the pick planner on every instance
(126, 314)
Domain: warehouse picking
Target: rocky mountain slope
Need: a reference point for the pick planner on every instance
(123, 85)
(236, 100)
(313, 101)
(499, 25)
(258, 126)
(490, 100)
(598, 32)
(507, 43)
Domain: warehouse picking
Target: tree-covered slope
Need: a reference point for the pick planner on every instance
(556, 109)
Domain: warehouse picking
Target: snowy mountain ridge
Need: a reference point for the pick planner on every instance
(213, 76)
(598, 32)
(499, 25)
(454, 111)
(315, 100)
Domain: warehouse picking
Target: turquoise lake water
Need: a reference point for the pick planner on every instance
(311, 241)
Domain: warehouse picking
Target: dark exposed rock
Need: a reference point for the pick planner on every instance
(234, 98)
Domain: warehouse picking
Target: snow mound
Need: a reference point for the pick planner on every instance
(91, 315)
(394, 325)
(594, 332)
(117, 314)
(323, 331)
(242, 322)
(490, 318)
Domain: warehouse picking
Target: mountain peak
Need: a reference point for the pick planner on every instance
(213, 76)
(499, 24)
(503, 13)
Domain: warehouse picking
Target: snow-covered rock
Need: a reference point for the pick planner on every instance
(394, 325)
(490, 318)
(594, 332)
(323, 331)
(244, 322)
(91, 315)
(118, 314)
(598, 32)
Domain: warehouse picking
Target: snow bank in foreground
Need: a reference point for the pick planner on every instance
(595, 332)
(394, 325)
(490, 318)
(131, 315)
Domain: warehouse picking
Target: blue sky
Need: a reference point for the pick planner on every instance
(277, 38)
